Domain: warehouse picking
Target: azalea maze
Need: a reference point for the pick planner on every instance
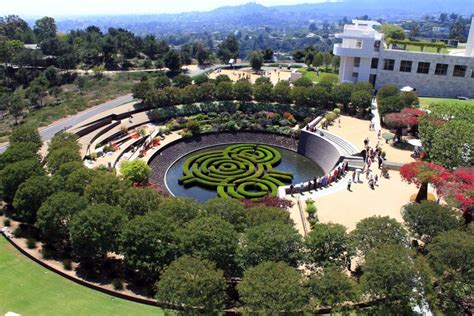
(237, 171)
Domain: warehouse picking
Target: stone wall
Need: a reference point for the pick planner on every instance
(319, 149)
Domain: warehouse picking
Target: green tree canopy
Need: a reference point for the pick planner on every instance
(452, 143)
(139, 201)
(270, 242)
(328, 244)
(282, 92)
(18, 152)
(429, 218)
(271, 288)
(259, 215)
(375, 231)
(361, 100)
(230, 210)
(95, 230)
(45, 28)
(331, 287)
(30, 195)
(243, 90)
(342, 93)
(149, 243)
(256, 60)
(107, 188)
(173, 61)
(192, 283)
(59, 156)
(229, 48)
(13, 175)
(25, 134)
(211, 238)
(394, 32)
(137, 171)
(56, 213)
(180, 210)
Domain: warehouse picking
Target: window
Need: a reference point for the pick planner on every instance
(359, 44)
(355, 75)
(356, 61)
(405, 65)
(472, 73)
(459, 71)
(423, 68)
(375, 63)
(441, 69)
(388, 64)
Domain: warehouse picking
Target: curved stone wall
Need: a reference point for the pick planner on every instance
(320, 150)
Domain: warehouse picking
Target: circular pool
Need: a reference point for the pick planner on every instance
(281, 164)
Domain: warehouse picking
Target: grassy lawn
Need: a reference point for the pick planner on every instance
(29, 289)
(416, 48)
(426, 102)
(313, 76)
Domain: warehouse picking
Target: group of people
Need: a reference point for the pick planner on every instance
(320, 182)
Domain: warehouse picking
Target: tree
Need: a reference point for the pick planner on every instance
(106, 188)
(282, 92)
(141, 89)
(223, 91)
(228, 209)
(298, 56)
(256, 60)
(16, 106)
(373, 232)
(137, 171)
(18, 152)
(318, 59)
(13, 175)
(263, 92)
(303, 82)
(390, 104)
(79, 179)
(394, 32)
(390, 274)
(328, 244)
(272, 288)
(201, 53)
(162, 82)
(451, 144)
(173, 61)
(270, 242)
(95, 231)
(336, 61)
(149, 243)
(60, 156)
(228, 49)
(453, 250)
(243, 90)
(182, 81)
(387, 90)
(211, 238)
(45, 28)
(180, 210)
(192, 283)
(55, 214)
(309, 58)
(342, 93)
(30, 195)
(331, 287)
(139, 201)
(361, 100)
(429, 218)
(25, 134)
(259, 215)
(327, 60)
(267, 54)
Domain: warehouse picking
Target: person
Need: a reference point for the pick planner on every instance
(376, 179)
(291, 189)
(349, 185)
(339, 122)
(379, 134)
(380, 161)
(371, 183)
(354, 176)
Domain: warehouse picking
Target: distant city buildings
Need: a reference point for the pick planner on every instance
(366, 56)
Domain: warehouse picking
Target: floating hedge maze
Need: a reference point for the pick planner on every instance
(238, 171)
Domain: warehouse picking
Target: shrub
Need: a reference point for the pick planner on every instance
(31, 243)
(117, 284)
(136, 171)
(6, 222)
(330, 116)
(337, 111)
(18, 233)
(311, 209)
(67, 264)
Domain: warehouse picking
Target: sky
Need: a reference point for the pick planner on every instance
(59, 8)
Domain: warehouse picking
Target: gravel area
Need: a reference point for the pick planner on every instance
(165, 157)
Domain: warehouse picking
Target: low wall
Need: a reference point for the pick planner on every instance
(318, 149)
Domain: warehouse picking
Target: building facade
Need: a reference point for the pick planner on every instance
(366, 57)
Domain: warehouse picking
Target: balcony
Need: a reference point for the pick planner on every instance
(339, 50)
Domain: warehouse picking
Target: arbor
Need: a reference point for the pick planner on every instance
(56, 213)
(211, 238)
(139, 201)
(13, 175)
(375, 231)
(192, 283)
(95, 230)
(328, 244)
(230, 210)
(149, 243)
(137, 171)
(105, 188)
(390, 274)
(429, 218)
(30, 195)
(256, 60)
(270, 242)
(272, 287)
(332, 288)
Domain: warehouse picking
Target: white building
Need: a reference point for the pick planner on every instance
(366, 57)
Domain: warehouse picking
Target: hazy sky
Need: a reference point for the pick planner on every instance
(82, 7)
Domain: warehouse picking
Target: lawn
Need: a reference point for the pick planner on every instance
(29, 289)
(426, 102)
(313, 76)
(417, 48)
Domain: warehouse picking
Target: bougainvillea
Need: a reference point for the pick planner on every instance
(420, 172)
(270, 201)
(459, 191)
